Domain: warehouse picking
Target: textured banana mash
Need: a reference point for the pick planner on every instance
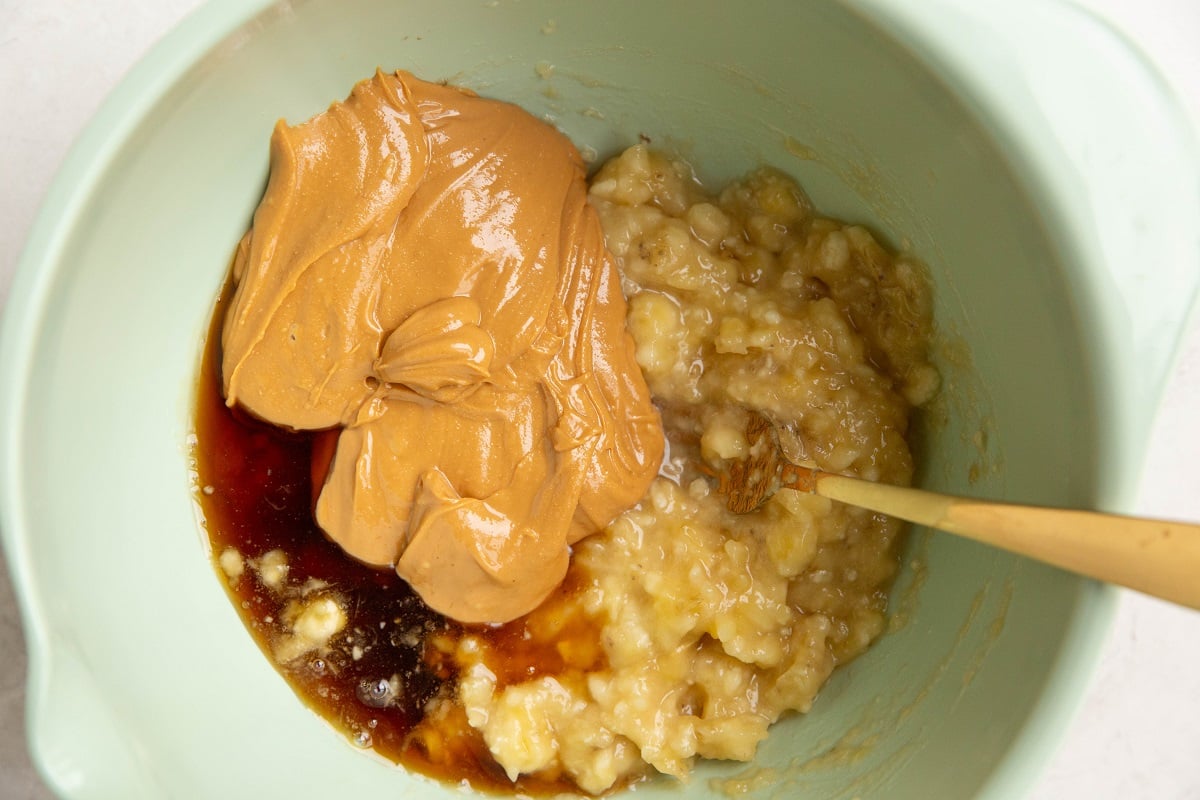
(712, 624)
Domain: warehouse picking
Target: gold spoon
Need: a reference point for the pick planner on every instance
(1152, 556)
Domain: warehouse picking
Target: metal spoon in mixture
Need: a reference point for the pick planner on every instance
(1151, 556)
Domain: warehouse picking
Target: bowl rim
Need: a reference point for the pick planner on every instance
(919, 28)
(76, 179)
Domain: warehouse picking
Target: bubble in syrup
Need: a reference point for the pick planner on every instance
(362, 739)
(375, 693)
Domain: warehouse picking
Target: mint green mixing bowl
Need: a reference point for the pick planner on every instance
(1036, 212)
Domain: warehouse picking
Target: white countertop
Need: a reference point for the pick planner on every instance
(1138, 733)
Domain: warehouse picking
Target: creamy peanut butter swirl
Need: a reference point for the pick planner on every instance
(425, 276)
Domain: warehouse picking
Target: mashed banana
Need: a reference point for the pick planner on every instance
(714, 624)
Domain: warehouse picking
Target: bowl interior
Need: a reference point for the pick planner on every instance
(145, 683)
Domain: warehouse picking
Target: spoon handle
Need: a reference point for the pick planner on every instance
(1151, 556)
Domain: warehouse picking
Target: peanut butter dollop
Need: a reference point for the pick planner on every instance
(425, 275)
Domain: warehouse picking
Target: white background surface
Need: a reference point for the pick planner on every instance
(1138, 733)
